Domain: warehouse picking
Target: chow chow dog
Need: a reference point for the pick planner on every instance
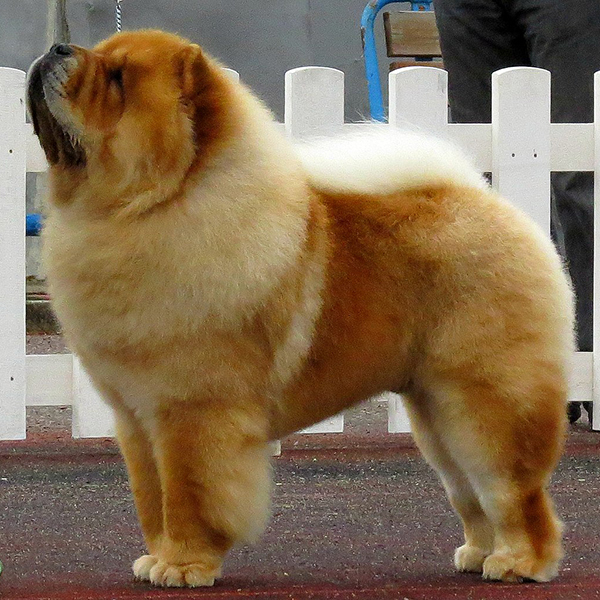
(224, 288)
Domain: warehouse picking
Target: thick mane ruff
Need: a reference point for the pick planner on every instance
(380, 159)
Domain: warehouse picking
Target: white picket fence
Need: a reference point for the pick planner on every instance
(520, 147)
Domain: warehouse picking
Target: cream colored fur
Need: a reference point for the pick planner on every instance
(380, 159)
(224, 252)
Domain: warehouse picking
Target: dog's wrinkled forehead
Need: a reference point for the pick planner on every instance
(147, 48)
(86, 102)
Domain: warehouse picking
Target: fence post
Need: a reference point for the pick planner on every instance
(596, 315)
(314, 101)
(233, 75)
(314, 105)
(521, 139)
(397, 416)
(92, 417)
(419, 99)
(13, 163)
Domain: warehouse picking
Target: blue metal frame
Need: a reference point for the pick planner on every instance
(367, 30)
(33, 224)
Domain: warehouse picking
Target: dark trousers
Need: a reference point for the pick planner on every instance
(479, 37)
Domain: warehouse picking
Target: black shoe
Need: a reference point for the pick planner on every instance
(589, 409)
(574, 411)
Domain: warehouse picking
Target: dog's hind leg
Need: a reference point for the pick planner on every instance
(478, 531)
(507, 438)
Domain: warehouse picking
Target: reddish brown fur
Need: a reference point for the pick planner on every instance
(220, 300)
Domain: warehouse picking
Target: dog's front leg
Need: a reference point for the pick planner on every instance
(213, 461)
(144, 482)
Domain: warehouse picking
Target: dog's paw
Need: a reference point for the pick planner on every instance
(143, 565)
(192, 575)
(513, 569)
(469, 558)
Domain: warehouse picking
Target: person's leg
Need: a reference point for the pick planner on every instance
(574, 194)
(563, 37)
(477, 37)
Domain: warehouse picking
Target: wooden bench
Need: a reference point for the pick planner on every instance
(412, 36)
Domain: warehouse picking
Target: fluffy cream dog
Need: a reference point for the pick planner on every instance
(224, 289)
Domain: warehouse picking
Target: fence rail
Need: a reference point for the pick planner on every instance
(520, 147)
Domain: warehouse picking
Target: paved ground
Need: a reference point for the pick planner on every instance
(355, 515)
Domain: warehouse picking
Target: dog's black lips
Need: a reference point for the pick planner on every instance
(56, 143)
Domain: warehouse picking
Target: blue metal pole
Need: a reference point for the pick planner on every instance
(367, 30)
(33, 224)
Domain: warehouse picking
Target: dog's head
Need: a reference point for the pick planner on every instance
(141, 103)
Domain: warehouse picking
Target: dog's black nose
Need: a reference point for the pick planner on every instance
(61, 50)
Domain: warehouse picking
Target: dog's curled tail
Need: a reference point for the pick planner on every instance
(380, 159)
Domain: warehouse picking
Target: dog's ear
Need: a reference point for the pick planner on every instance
(203, 94)
(193, 71)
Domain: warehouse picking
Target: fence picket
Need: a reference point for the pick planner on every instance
(12, 254)
(92, 417)
(521, 139)
(580, 377)
(596, 317)
(36, 159)
(418, 99)
(49, 379)
(397, 416)
(314, 101)
(314, 105)
(233, 75)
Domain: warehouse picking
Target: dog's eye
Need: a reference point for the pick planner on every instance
(116, 76)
